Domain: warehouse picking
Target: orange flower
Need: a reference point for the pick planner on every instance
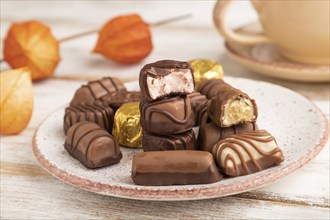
(16, 100)
(125, 39)
(32, 44)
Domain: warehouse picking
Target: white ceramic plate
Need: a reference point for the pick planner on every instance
(298, 125)
(265, 59)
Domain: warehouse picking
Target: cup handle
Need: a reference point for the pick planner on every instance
(219, 13)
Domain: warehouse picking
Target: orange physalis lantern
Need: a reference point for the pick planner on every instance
(125, 39)
(16, 100)
(32, 44)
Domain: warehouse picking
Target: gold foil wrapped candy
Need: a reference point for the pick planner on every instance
(127, 130)
(206, 69)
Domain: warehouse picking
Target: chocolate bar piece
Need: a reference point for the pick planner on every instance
(211, 87)
(127, 129)
(96, 89)
(201, 114)
(231, 106)
(182, 141)
(246, 153)
(117, 99)
(163, 168)
(166, 77)
(211, 133)
(170, 115)
(98, 113)
(93, 146)
(196, 99)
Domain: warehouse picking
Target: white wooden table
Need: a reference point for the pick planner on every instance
(28, 192)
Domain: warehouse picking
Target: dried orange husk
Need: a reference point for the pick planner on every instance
(16, 100)
(32, 44)
(124, 39)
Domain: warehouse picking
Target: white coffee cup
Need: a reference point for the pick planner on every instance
(299, 28)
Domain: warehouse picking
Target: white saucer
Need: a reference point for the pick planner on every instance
(265, 59)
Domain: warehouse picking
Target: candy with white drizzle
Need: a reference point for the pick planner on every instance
(246, 153)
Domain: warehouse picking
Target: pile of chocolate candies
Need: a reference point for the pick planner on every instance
(175, 97)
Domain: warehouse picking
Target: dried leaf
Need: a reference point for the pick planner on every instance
(125, 39)
(32, 44)
(16, 100)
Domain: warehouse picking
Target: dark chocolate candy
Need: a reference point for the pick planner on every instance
(96, 89)
(210, 87)
(117, 99)
(211, 133)
(98, 113)
(166, 77)
(163, 168)
(182, 141)
(246, 153)
(170, 115)
(230, 106)
(92, 145)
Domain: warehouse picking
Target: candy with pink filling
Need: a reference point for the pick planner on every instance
(166, 77)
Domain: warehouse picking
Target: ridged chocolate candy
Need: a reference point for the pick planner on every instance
(170, 115)
(166, 77)
(98, 113)
(93, 146)
(211, 133)
(96, 89)
(163, 168)
(210, 87)
(247, 153)
(182, 141)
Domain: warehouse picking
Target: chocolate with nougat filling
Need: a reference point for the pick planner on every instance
(166, 77)
(230, 106)
(92, 145)
(182, 167)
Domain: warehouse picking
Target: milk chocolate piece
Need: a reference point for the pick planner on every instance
(201, 115)
(93, 146)
(96, 89)
(117, 99)
(196, 99)
(98, 113)
(230, 106)
(170, 115)
(166, 77)
(210, 87)
(211, 133)
(163, 168)
(182, 141)
(247, 153)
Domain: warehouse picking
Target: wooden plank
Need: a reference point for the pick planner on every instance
(35, 195)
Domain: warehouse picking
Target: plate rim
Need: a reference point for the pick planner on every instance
(307, 72)
(206, 191)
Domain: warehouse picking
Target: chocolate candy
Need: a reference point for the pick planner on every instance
(206, 69)
(170, 115)
(127, 129)
(201, 114)
(163, 168)
(117, 99)
(95, 89)
(97, 112)
(231, 106)
(211, 133)
(246, 153)
(182, 141)
(92, 145)
(166, 77)
(210, 87)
